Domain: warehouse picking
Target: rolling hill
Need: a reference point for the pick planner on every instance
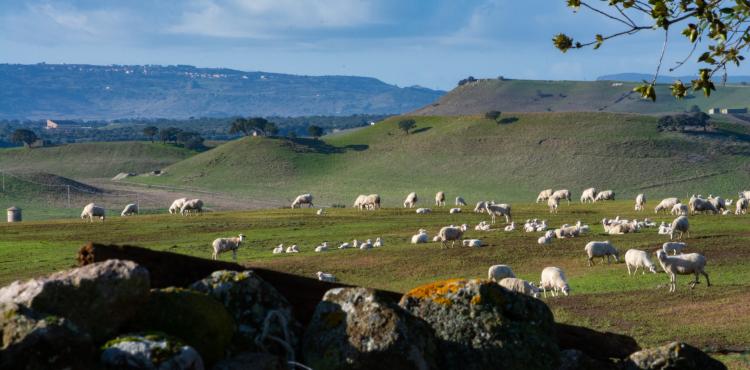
(478, 159)
(74, 91)
(573, 96)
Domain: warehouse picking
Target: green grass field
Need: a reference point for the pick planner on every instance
(603, 296)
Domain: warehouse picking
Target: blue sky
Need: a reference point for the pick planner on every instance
(405, 42)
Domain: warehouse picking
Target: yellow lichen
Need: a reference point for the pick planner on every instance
(437, 291)
(477, 299)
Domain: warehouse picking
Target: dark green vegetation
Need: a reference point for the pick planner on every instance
(106, 92)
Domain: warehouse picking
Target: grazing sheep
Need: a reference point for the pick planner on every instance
(638, 258)
(499, 272)
(176, 206)
(510, 227)
(479, 208)
(562, 194)
(292, 249)
(322, 276)
(319, 212)
(130, 209)
(92, 210)
(499, 210)
(378, 243)
(553, 279)
(744, 194)
(673, 247)
(605, 195)
(475, 243)
(369, 202)
(192, 206)
(360, 201)
(698, 204)
(519, 286)
(440, 199)
(740, 207)
(553, 203)
(423, 211)
(588, 195)
(666, 204)
(601, 249)
(664, 229)
(366, 245)
(718, 202)
(454, 210)
(411, 200)
(640, 201)
(221, 245)
(345, 245)
(680, 224)
(420, 237)
(460, 202)
(450, 233)
(322, 248)
(543, 195)
(684, 264)
(679, 209)
(279, 249)
(303, 199)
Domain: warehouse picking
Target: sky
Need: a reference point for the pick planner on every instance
(431, 43)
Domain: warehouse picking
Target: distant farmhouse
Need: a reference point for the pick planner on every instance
(727, 110)
(57, 125)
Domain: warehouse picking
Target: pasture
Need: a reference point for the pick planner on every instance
(603, 297)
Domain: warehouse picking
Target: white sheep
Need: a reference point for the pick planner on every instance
(360, 201)
(130, 209)
(562, 194)
(718, 202)
(673, 247)
(366, 245)
(664, 229)
(345, 245)
(544, 240)
(582, 228)
(320, 212)
(279, 249)
(378, 243)
(475, 243)
(439, 199)
(423, 211)
(553, 279)
(499, 210)
(605, 195)
(728, 202)
(541, 226)
(543, 195)
(292, 249)
(588, 195)
(460, 202)
(322, 276)
(510, 227)
(221, 245)
(637, 258)
(726, 212)
(177, 205)
(322, 248)
(683, 264)
(355, 244)
(92, 210)
(666, 204)
(454, 210)
(680, 224)
(370, 202)
(553, 203)
(679, 209)
(740, 207)
(420, 237)
(744, 194)
(499, 272)
(519, 286)
(479, 208)
(303, 199)
(411, 200)
(698, 204)
(640, 201)
(483, 226)
(450, 233)
(549, 234)
(192, 206)
(601, 249)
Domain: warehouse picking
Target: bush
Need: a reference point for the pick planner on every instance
(493, 115)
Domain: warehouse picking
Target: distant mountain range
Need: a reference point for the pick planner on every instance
(77, 91)
(639, 77)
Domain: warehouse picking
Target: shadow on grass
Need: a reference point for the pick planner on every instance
(423, 129)
(305, 145)
(720, 133)
(507, 120)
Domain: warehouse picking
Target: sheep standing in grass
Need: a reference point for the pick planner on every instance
(322, 276)
(601, 249)
(637, 258)
(588, 195)
(740, 207)
(543, 195)
(450, 233)
(553, 203)
(460, 202)
(684, 264)
(698, 204)
(479, 208)
(92, 210)
(673, 247)
(192, 206)
(666, 204)
(176, 206)
(221, 245)
(605, 195)
(440, 199)
(499, 210)
(681, 225)
(411, 200)
(679, 209)
(519, 286)
(553, 279)
(129, 210)
(499, 272)
(744, 194)
(562, 194)
(360, 201)
(372, 201)
(718, 203)
(303, 199)
(640, 201)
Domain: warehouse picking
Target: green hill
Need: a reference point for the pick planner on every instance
(478, 159)
(574, 96)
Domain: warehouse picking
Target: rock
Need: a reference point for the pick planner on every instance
(595, 344)
(149, 351)
(673, 356)
(98, 298)
(481, 325)
(254, 361)
(122, 176)
(573, 359)
(356, 328)
(196, 318)
(249, 299)
(34, 341)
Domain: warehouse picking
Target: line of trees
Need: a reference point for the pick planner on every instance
(188, 139)
(681, 122)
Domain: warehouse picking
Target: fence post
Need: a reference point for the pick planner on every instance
(68, 187)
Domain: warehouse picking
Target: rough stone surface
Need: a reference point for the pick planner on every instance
(149, 352)
(481, 325)
(34, 341)
(254, 361)
(355, 328)
(673, 356)
(98, 298)
(195, 318)
(249, 299)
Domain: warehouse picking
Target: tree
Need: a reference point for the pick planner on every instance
(169, 134)
(719, 31)
(407, 124)
(150, 132)
(466, 80)
(315, 131)
(260, 126)
(190, 140)
(702, 119)
(23, 136)
(240, 125)
(493, 115)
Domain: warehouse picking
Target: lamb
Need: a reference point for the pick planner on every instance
(562, 194)
(544, 240)
(680, 224)
(322, 276)
(638, 258)
(666, 204)
(130, 209)
(588, 195)
(728, 202)
(345, 245)
(499, 272)
(423, 211)
(320, 212)
(460, 202)
(192, 206)
(664, 229)
(92, 210)
(499, 210)
(366, 245)
(292, 249)
(520, 286)
(378, 243)
(684, 264)
(549, 234)
(450, 233)
(510, 227)
(279, 249)
(605, 195)
(543, 195)
(303, 199)
(553, 278)
(601, 249)
(698, 204)
(322, 248)
(567, 231)
(176, 205)
(673, 247)
(726, 212)
(411, 200)
(482, 226)
(454, 210)
(740, 207)
(475, 243)
(640, 201)
(680, 209)
(553, 203)
(440, 199)
(221, 245)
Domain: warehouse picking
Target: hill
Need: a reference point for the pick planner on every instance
(74, 91)
(662, 79)
(478, 159)
(573, 96)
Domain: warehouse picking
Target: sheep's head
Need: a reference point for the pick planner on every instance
(242, 237)
(652, 268)
(566, 289)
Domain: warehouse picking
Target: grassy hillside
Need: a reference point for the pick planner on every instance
(478, 159)
(569, 96)
(92, 160)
